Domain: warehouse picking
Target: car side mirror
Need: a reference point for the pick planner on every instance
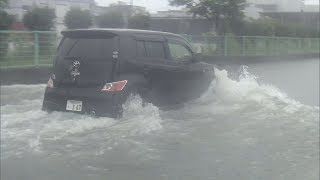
(197, 57)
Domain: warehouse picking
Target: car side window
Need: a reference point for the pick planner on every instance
(155, 49)
(179, 52)
(141, 49)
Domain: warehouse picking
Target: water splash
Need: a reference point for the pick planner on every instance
(25, 128)
(246, 98)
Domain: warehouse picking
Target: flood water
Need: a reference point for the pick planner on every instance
(256, 122)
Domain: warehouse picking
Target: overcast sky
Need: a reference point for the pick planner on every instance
(159, 5)
(312, 1)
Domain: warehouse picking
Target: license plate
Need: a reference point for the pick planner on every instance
(73, 105)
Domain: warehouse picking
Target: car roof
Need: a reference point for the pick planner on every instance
(117, 32)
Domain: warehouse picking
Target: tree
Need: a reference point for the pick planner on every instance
(110, 20)
(77, 18)
(270, 27)
(39, 19)
(5, 22)
(220, 12)
(139, 21)
(5, 19)
(3, 3)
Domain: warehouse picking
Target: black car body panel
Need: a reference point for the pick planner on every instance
(161, 67)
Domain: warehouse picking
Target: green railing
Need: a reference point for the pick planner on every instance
(253, 45)
(20, 49)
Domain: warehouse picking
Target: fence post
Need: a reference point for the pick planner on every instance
(266, 43)
(225, 45)
(207, 43)
(278, 45)
(36, 49)
(310, 45)
(190, 38)
(299, 46)
(243, 45)
(275, 47)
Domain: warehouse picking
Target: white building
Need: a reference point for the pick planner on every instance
(311, 8)
(278, 5)
(183, 13)
(257, 6)
(124, 9)
(61, 7)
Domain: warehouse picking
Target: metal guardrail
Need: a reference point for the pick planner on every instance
(21, 49)
(253, 45)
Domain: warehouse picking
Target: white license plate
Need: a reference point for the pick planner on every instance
(73, 105)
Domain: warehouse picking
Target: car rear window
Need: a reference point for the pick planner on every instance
(141, 49)
(155, 49)
(83, 47)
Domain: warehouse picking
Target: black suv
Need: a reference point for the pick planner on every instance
(96, 70)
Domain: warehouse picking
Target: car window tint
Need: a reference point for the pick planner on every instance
(141, 50)
(87, 47)
(66, 45)
(155, 49)
(179, 52)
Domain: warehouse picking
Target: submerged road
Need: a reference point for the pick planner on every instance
(259, 121)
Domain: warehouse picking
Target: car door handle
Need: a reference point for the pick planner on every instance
(146, 70)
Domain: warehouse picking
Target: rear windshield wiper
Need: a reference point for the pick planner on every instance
(72, 46)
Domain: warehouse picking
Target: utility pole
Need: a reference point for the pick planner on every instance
(129, 14)
(131, 7)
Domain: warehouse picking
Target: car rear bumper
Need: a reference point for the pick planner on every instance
(93, 101)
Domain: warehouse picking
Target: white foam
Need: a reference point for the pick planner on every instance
(23, 123)
(14, 94)
(248, 96)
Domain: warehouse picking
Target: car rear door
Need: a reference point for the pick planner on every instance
(192, 77)
(154, 62)
(85, 60)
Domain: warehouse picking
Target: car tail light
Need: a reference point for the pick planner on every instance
(50, 83)
(114, 86)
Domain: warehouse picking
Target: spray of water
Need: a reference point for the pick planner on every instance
(25, 128)
(247, 92)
